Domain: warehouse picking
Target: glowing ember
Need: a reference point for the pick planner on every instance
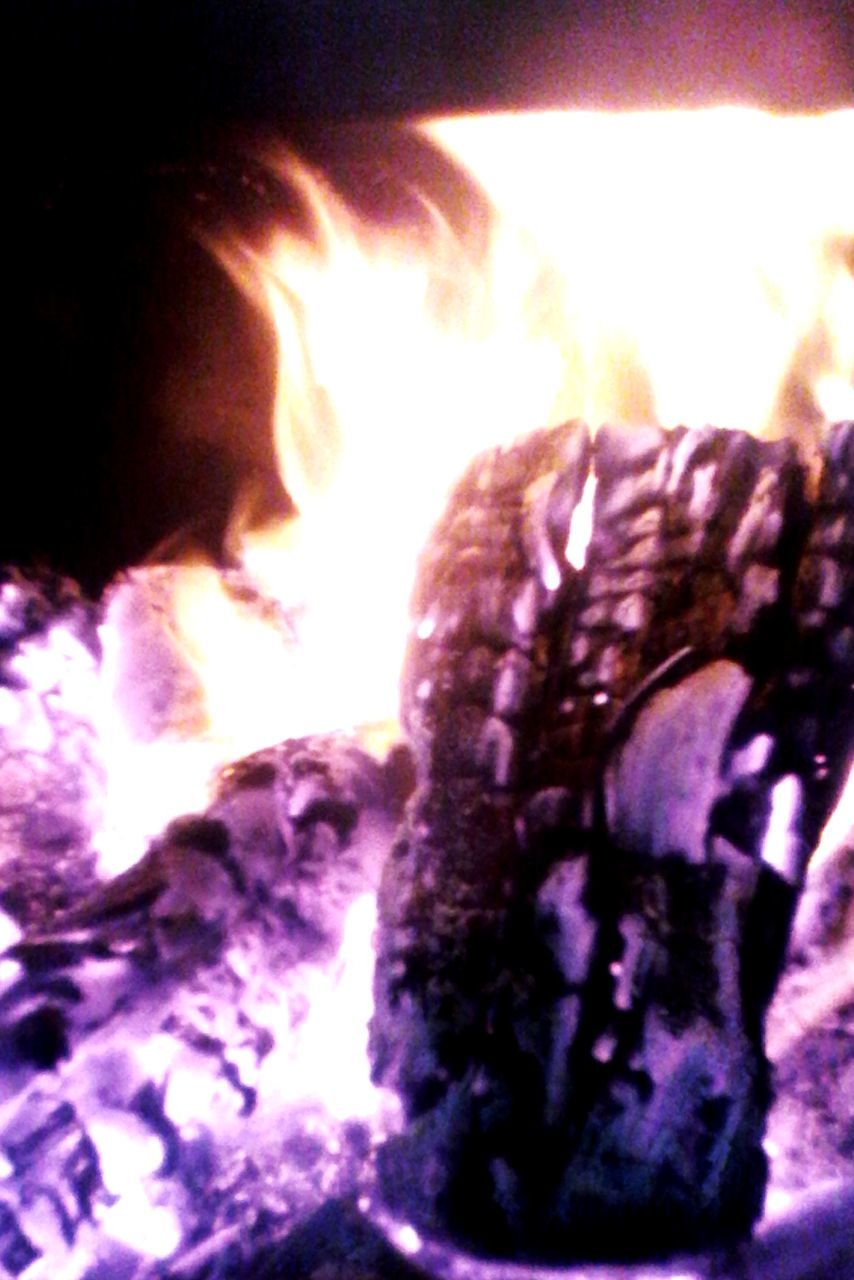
(193, 1079)
(777, 847)
(407, 1239)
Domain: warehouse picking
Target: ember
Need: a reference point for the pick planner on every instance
(626, 695)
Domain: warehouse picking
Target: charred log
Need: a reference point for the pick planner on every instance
(622, 773)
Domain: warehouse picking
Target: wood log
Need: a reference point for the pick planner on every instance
(622, 772)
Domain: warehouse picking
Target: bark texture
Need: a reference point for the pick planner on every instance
(622, 772)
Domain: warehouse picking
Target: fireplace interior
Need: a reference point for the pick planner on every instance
(187, 978)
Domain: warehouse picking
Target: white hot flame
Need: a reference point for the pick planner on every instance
(581, 525)
(325, 1059)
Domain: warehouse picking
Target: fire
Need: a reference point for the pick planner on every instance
(696, 260)
(307, 1067)
(652, 268)
(672, 267)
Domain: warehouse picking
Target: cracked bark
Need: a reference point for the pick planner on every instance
(622, 773)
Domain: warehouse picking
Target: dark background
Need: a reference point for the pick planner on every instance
(136, 382)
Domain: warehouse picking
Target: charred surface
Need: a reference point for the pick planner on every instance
(622, 773)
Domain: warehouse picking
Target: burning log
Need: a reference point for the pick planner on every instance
(623, 769)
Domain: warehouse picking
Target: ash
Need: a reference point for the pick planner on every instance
(185, 1066)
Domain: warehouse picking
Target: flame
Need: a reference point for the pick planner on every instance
(326, 1061)
(696, 259)
(671, 267)
(581, 526)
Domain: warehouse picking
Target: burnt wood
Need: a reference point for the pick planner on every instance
(622, 772)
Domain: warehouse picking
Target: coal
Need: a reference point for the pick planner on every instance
(622, 771)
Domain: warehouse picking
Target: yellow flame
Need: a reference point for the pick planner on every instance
(698, 252)
(676, 267)
(672, 267)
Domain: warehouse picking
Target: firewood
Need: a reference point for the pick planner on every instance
(622, 772)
